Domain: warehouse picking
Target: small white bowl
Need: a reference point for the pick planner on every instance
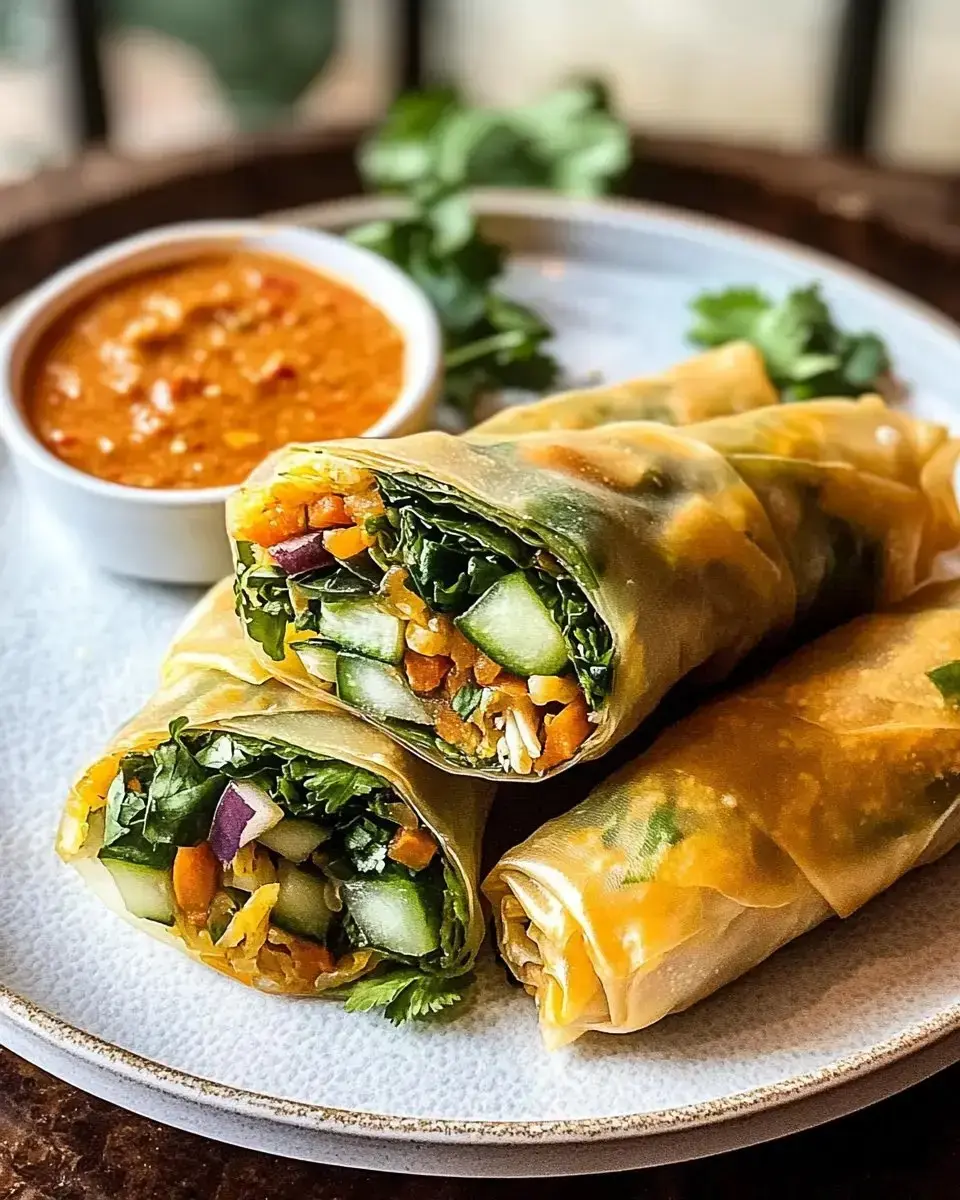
(179, 535)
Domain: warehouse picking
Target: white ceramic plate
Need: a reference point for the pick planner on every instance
(86, 996)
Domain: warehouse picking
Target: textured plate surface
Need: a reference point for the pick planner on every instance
(78, 652)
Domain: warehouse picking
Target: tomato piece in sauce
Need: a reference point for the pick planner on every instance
(186, 377)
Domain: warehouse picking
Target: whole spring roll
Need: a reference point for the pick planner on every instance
(510, 606)
(794, 799)
(279, 839)
(730, 379)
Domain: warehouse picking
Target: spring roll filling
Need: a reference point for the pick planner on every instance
(458, 634)
(307, 869)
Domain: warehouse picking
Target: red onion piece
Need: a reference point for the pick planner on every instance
(304, 552)
(243, 812)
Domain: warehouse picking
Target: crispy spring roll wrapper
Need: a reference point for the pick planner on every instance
(730, 379)
(210, 677)
(770, 809)
(692, 545)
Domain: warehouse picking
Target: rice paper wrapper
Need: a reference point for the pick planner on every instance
(794, 799)
(730, 379)
(210, 677)
(695, 544)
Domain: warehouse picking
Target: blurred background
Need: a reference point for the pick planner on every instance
(149, 77)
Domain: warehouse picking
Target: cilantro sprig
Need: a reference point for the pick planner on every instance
(432, 147)
(806, 353)
(407, 994)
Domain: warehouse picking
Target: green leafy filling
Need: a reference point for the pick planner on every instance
(453, 558)
(263, 601)
(165, 799)
(646, 840)
(806, 353)
(946, 679)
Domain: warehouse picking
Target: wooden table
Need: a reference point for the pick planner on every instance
(56, 1143)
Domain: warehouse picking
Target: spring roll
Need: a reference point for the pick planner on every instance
(730, 379)
(279, 839)
(508, 607)
(794, 799)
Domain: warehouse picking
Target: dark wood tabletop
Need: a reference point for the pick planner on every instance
(57, 1143)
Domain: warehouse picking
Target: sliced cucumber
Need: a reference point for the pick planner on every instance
(318, 659)
(395, 914)
(301, 907)
(363, 625)
(513, 626)
(146, 891)
(293, 839)
(375, 688)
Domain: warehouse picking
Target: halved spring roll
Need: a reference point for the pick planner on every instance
(510, 606)
(718, 383)
(794, 799)
(278, 839)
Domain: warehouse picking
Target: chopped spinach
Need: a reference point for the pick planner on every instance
(454, 556)
(946, 679)
(263, 601)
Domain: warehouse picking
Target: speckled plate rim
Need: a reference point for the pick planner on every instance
(138, 1069)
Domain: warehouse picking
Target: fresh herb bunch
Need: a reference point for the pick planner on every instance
(430, 149)
(806, 353)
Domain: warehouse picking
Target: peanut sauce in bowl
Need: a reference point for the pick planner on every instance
(141, 384)
(187, 376)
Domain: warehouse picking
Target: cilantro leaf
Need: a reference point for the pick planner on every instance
(366, 845)
(465, 702)
(432, 147)
(407, 994)
(946, 679)
(806, 353)
(647, 841)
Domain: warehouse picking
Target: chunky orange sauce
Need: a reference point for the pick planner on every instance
(186, 377)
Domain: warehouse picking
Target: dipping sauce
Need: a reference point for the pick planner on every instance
(185, 377)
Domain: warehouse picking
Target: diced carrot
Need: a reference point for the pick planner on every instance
(553, 689)
(425, 673)
(327, 512)
(413, 848)
(275, 524)
(565, 734)
(463, 652)
(196, 875)
(512, 686)
(455, 731)
(485, 670)
(434, 637)
(345, 543)
(363, 505)
(310, 959)
(406, 603)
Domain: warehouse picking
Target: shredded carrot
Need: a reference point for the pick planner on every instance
(431, 636)
(413, 848)
(196, 876)
(456, 732)
(513, 686)
(425, 673)
(485, 670)
(327, 512)
(565, 734)
(345, 543)
(407, 604)
(463, 653)
(310, 959)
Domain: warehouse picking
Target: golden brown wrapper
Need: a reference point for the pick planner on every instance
(729, 379)
(210, 677)
(798, 797)
(693, 544)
